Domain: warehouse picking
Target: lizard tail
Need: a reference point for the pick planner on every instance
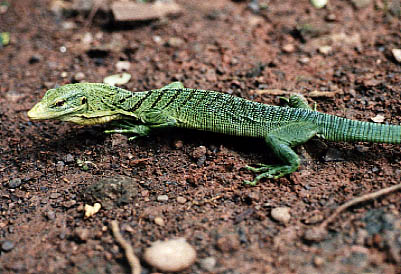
(335, 128)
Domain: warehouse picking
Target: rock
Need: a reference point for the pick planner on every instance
(159, 221)
(60, 166)
(92, 210)
(171, 255)
(333, 155)
(7, 245)
(208, 263)
(325, 50)
(125, 11)
(178, 144)
(50, 215)
(162, 198)
(123, 66)
(111, 191)
(181, 200)
(288, 48)
(175, 42)
(69, 158)
(199, 154)
(378, 118)
(228, 243)
(319, 3)
(81, 234)
(79, 76)
(281, 214)
(361, 3)
(397, 54)
(117, 79)
(14, 183)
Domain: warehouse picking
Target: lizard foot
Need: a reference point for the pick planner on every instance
(269, 171)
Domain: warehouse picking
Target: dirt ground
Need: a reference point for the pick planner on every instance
(339, 57)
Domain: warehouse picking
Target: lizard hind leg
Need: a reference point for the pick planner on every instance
(298, 101)
(280, 141)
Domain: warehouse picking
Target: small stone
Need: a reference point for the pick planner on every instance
(281, 214)
(304, 60)
(361, 3)
(50, 215)
(92, 210)
(397, 54)
(79, 76)
(159, 221)
(181, 200)
(333, 155)
(319, 3)
(315, 234)
(117, 79)
(199, 152)
(69, 158)
(68, 25)
(14, 183)
(175, 42)
(81, 234)
(7, 245)
(123, 66)
(178, 144)
(378, 118)
(171, 255)
(318, 261)
(325, 50)
(60, 166)
(208, 263)
(54, 195)
(69, 203)
(64, 74)
(289, 48)
(228, 243)
(162, 198)
(35, 59)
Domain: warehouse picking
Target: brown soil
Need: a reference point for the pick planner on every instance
(48, 169)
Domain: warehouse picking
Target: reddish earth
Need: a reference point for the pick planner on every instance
(48, 169)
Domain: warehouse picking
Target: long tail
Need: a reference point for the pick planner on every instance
(335, 128)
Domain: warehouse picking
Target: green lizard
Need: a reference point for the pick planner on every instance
(175, 106)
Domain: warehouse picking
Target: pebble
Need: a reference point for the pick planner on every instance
(325, 50)
(319, 3)
(179, 144)
(79, 76)
(82, 234)
(159, 221)
(69, 158)
(7, 245)
(171, 255)
(397, 54)
(123, 66)
(208, 263)
(228, 243)
(181, 200)
(162, 198)
(281, 214)
(175, 42)
(60, 166)
(199, 152)
(289, 48)
(14, 183)
(50, 215)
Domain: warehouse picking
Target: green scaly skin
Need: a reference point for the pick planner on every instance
(175, 106)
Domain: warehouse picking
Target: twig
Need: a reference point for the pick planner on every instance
(358, 200)
(129, 252)
(318, 233)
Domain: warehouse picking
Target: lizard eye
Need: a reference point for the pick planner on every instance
(84, 100)
(59, 103)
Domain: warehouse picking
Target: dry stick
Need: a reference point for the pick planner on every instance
(358, 200)
(129, 252)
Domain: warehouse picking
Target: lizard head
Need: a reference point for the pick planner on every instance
(82, 103)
